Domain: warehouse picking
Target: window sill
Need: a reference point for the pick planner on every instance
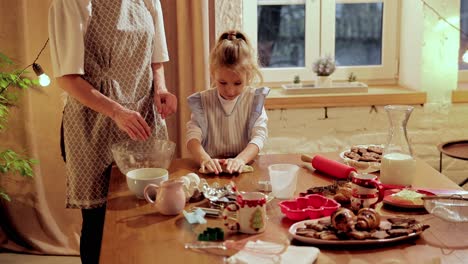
(460, 96)
(376, 95)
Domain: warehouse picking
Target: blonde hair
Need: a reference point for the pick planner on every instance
(234, 51)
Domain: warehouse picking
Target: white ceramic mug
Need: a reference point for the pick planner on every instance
(251, 213)
(138, 179)
(367, 191)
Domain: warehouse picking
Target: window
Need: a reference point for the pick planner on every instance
(291, 34)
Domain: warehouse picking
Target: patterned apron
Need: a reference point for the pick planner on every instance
(117, 62)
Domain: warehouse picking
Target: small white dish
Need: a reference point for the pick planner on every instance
(393, 199)
(138, 179)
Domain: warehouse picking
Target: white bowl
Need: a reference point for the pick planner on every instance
(137, 179)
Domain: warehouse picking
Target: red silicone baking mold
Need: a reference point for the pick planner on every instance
(310, 206)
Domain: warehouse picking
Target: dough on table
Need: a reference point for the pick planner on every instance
(246, 168)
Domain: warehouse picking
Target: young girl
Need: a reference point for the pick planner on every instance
(228, 125)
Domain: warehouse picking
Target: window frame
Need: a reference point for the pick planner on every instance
(324, 31)
(462, 74)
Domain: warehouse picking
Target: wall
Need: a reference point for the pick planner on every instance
(308, 131)
(228, 15)
(410, 38)
(429, 48)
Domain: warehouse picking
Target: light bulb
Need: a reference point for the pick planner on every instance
(465, 56)
(44, 80)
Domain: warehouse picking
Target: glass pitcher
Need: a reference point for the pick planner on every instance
(398, 164)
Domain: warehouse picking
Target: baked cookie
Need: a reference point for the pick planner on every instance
(375, 149)
(352, 155)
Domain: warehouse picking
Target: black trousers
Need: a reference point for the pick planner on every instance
(91, 230)
(91, 234)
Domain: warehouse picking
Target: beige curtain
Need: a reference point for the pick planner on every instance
(187, 31)
(36, 220)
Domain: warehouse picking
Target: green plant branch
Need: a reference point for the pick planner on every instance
(7, 79)
(3, 195)
(10, 161)
(13, 163)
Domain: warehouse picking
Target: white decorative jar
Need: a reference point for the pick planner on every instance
(323, 81)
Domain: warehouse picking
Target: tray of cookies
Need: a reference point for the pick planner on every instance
(364, 158)
(366, 228)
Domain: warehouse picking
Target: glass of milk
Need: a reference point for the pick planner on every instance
(398, 164)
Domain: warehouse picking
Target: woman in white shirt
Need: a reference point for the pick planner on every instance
(107, 55)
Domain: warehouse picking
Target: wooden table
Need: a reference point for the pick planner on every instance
(134, 232)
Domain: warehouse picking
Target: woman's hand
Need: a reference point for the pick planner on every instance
(234, 165)
(211, 165)
(166, 103)
(131, 123)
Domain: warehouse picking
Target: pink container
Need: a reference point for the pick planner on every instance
(310, 206)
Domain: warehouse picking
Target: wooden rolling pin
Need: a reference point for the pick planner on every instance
(306, 158)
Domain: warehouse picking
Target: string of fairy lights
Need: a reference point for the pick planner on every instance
(43, 78)
(465, 55)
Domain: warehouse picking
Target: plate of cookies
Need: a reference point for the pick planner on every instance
(364, 158)
(365, 228)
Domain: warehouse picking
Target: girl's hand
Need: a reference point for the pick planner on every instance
(132, 123)
(166, 103)
(234, 165)
(211, 165)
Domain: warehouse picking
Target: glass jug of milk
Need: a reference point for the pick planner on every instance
(398, 164)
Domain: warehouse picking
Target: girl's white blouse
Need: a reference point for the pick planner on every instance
(68, 21)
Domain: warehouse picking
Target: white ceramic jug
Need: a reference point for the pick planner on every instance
(170, 196)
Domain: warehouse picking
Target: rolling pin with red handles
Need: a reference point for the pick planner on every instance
(338, 170)
(328, 166)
